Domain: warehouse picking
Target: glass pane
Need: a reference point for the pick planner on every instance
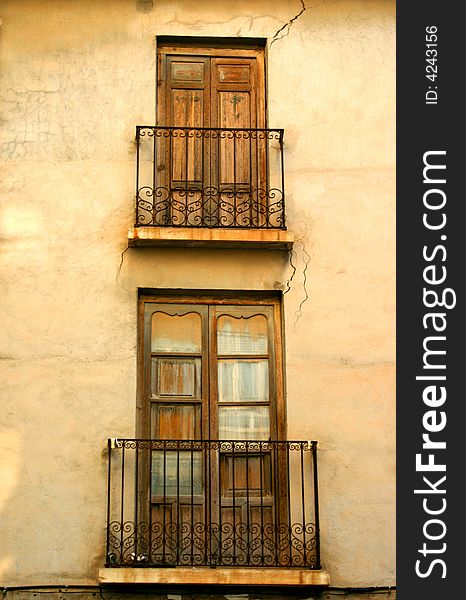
(176, 421)
(176, 377)
(243, 380)
(243, 423)
(186, 464)
(242, 335)
(175, 333)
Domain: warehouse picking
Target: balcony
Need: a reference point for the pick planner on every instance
(195, 505)
(201, 185)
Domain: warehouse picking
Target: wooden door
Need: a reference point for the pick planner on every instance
(237, 159)
(177, 383)
(214, 177)
(212, 374)
(243, 412)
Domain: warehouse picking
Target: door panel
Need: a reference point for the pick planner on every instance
(184, 70)
(177, 421)
(251, 473)
(176, 377)
(186, 150)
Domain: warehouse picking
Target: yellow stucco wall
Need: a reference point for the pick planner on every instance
(77, 76)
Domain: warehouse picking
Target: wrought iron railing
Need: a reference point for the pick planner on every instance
(212, 503)
(210, 177)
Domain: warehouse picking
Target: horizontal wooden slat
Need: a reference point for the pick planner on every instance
(204, 237)
(218, 576)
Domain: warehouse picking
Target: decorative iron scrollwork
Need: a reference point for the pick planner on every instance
(201, 544)
(210, 177)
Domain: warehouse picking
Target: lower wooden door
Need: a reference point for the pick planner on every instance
(213, 405)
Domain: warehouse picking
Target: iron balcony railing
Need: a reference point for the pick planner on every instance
(212, 503)
(210, 177)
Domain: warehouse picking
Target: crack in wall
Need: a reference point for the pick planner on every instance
(200, 23)
(290, 279)
(120, 267)
(307, 260)
(288, 282)
(287, 26)
(293, 255)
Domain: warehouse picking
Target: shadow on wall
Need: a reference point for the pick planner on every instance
(10, 448)
(145, 6)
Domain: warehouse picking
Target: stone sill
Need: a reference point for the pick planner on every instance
(202, 237)
(219, 576)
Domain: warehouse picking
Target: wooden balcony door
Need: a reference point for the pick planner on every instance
(212, 179)
(212, 372)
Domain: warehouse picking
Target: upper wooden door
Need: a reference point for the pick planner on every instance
(212, 177)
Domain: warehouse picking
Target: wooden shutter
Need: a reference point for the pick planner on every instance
(234, 105)
(185, 102)
(213, 178)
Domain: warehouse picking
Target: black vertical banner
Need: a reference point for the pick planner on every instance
(431, 229)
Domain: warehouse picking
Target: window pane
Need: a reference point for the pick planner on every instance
(176, 421)
(243, 380)
(242, 335)
(167, 466)
(243, 423)
(175, 333)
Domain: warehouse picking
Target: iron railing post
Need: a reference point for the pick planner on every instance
(282, 164)
(316, 504)
(109, 472)
(137, 175)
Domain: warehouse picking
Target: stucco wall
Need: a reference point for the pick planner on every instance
(77, 76)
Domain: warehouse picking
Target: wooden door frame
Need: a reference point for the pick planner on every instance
(277, 404)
